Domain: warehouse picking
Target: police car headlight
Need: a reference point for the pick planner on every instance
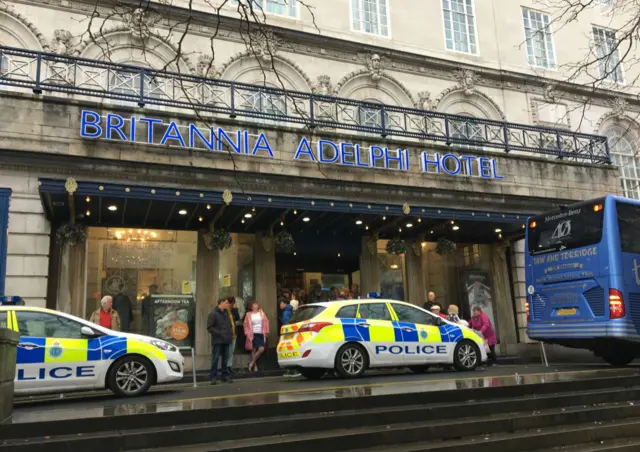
(162, 345)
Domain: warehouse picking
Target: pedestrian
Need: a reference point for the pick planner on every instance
(148, 321)
(234, 317)
(431, 299)
(480, 322)
(294, 303)
(219, 328)
(256, 330)
(287, 315)
(454, 315)
(122, 305)
(435, 308)
(106, 316)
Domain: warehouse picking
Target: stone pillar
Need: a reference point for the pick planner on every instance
(414, 275)
(207, 291)
(73, 280)
(264, 258)
(504, 314)
(369, 266)
(8, 341)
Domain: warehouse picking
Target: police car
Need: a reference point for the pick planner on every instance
(58, 352)
(353, 336)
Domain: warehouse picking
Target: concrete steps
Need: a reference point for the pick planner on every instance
(533, 416)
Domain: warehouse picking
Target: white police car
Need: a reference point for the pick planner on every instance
(352, 336)
(59, 352)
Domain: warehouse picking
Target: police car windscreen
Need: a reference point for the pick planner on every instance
(573, 227)
(306, 313)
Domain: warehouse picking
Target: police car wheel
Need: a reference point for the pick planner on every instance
(130, 376)
(351, 360)
(313, 373)
(466, 356)
(419, 369)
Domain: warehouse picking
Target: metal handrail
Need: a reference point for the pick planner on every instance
(41, 71)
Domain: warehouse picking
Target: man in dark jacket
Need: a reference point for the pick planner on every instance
(219, 327)
(122, 305)
(148, 321)
(431, 300)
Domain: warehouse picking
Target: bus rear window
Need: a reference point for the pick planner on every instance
(574, 227)
(629, 224)
(306, 313)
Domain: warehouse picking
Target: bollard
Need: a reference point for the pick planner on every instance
(543, 354)
(193, 366)
(8, 341)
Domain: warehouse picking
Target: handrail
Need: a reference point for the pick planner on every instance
(41, 71)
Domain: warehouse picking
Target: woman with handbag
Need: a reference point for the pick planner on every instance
(256, 330)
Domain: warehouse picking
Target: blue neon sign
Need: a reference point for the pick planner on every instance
(217, 139)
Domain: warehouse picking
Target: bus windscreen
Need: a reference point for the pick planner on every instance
(574, 227)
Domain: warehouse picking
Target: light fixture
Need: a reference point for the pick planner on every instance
(253, 209)
(200, 219)
(88, 213)
(453, 222)
(140, 232)
(338, 254)
(242, 221)
(88, 199)
(281, 223)
(399, 229)
(154, 235)
(306, 219)
(358, 222)
(419, 220)
(118, 235)
(367, 228)
(384, 217)
(295, 212)
(423, 244)
(430, 232)
(181, 212)
(208, 206)
(247, 215)
(499, 236)
(295, 254)
(130, 231)
(113, 208)
(394, 267)
(409, 225)
(498, 231)
(455, 227)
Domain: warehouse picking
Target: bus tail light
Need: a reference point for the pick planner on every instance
(598, 207)
(526, 309)
(616, 304)
(313, 327)
(533, 225)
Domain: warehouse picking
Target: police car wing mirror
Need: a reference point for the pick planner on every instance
(88, 332)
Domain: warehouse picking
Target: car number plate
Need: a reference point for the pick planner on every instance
(571, 311)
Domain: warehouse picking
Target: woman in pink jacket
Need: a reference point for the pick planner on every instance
(480, 322)
(256, 330)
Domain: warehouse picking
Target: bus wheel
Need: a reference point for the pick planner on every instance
(619, 358)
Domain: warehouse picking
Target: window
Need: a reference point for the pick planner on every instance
(414, 315)
(374, 311)
(628, 223)
(370, 16)
(3, 319)
(459, 25)
(304, 313)
(623, 146)
(539, 38)
(606, 45)
(348, 312)
(40, 324)
(287, 8)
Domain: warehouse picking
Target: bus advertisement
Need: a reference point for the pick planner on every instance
(583, 277)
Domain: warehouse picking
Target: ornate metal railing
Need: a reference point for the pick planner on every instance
(40, 72)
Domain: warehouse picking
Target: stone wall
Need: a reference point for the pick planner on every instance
(8, 341)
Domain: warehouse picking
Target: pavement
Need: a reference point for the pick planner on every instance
(180, 397)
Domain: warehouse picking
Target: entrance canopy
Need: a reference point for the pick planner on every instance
(118, 205)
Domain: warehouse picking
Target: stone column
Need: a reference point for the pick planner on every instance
(207, 290)
(8, 341)
(369, 266)
(72, 283)
(264, 258)
(414, 273)
(504, 315)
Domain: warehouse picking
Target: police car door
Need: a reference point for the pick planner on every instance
(379, 335)
(52, 354)
(420, 335)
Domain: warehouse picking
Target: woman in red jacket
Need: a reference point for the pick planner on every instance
(480, 322)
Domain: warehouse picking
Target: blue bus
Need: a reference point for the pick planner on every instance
(583, 277)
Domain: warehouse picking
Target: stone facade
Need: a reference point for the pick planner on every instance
(8, 341)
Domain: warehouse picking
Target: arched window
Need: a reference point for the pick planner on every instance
(623, 145)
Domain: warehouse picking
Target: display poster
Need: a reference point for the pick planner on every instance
(477, 286)
(174, 319)
(226, 281)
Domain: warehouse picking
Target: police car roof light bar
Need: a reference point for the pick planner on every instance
(14, 300)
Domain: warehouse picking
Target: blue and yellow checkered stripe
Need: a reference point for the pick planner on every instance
(47, 350)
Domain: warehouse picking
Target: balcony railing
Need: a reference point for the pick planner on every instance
(48, 72)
